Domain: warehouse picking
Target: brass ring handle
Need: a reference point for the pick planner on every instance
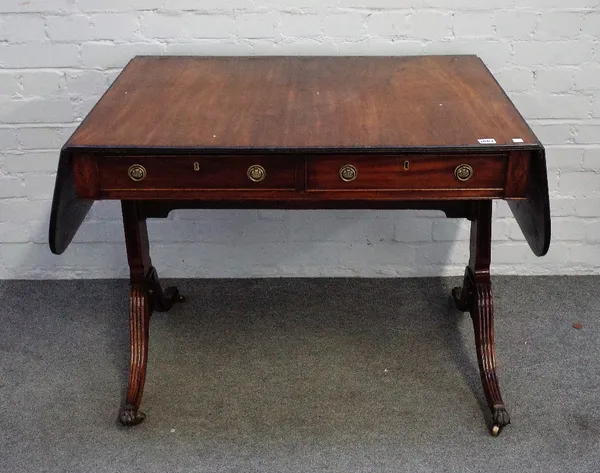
(256, 173)
(463, 172)
(348, 173)
(137, 172)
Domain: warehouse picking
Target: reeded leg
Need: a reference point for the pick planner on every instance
(476, 296)
(483, 323)
(139, 318)
(145, 296)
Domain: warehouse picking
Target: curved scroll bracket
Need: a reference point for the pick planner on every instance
(533, 213)
(68, 210)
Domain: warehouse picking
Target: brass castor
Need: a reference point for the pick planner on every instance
(500, 419)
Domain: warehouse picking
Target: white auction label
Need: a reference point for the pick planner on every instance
(517, 140)
(487, 141)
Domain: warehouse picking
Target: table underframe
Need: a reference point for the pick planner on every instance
(147, 295)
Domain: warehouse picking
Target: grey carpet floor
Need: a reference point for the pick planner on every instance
(299, 375)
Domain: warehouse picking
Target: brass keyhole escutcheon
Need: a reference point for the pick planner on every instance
(256, 173)
(348, 173)
(196, 166)
(137, 172)
(463, 172)
(406, 165)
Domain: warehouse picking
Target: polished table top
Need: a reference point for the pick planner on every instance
(304, 102)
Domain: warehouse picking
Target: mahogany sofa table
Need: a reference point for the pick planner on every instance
(423, 132)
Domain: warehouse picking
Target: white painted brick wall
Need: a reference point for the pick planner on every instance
(57, 57)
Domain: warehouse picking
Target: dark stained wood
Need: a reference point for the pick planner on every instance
(405, 176)
(424, 173)
(533, 213)
(86, 177)
(68, 207)
(476, 297)
(138, 257)
(517, 174)
(404, 123)
(304, 102)
(264, 199)
(213, 172)
(452, 209)
(145, 295)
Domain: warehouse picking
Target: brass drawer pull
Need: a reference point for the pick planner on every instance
(348, 173)
(463, 172)
(137, 172)
(256, 173)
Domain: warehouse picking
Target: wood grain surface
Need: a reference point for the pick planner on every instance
(421, 173)
(304, 102)
(168, 172)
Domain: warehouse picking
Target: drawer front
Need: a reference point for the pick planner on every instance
(194, 172)
(406, 172)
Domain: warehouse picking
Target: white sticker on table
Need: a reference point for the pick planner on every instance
(487, 141)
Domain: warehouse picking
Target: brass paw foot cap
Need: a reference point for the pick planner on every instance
(500, 419)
